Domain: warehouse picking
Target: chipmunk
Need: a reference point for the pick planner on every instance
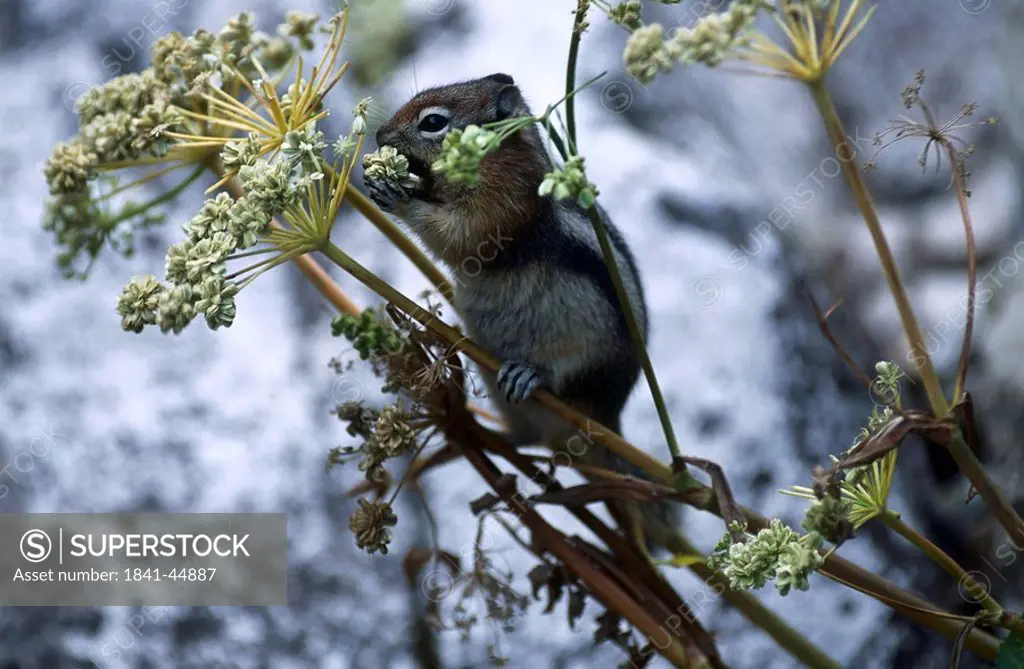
(531, 284)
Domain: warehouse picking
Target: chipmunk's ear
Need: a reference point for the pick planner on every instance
(508, 102)
(500, 78)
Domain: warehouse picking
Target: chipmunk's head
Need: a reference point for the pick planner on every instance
(418, 129)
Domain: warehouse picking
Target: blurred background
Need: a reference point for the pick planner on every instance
(725, 187)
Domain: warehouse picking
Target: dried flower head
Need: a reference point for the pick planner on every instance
(393, 434)
(940, 137)
(370, 523)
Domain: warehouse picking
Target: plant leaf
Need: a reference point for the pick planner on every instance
(683, 560)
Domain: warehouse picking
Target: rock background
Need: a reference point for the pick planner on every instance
(690, 167)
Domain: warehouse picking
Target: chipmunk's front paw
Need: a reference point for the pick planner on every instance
(385, 194)
(518, 380)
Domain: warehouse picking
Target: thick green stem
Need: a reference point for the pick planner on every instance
(978, 592)
(365, 207)
(958, 448)
(686, 481)
(865, 203)
(795, 643)
(570, 71)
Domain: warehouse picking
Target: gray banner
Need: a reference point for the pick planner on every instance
(143, 559)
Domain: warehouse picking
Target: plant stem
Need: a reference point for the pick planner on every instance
(990, 493)
(686, 480)
(570, 71)
(607, 590)
(702, 497)
(955, 163)
(866, 204)
(962, 454)
(320, 279)
(365, 207)
(460, 342)
(893, 521)
(157, 201)
(795, 643)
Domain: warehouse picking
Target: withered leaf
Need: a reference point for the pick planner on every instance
(577, 601)
(556, 585)
(417, 558)
(609, 629)
(640, 657)
(625, 489)
(485, 502)
(895, 431)
(539, 577)
(412, 563)
(551, 577)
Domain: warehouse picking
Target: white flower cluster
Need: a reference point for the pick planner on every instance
(388, 165)
(709, 41)
(196, 280)
(570, 182)
(462, 151)
(190, 63)
(776, 552)
(302, 149)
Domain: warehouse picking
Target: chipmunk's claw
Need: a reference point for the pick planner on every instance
(518, 380)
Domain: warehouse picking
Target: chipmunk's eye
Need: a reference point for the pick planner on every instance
(433, 123)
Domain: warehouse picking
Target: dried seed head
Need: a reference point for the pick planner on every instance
(369, 523)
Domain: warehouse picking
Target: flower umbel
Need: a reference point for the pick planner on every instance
(776, 552)
(387, 164)
(462, 151)
(816, 33)
(461, 154)
(570, 182)
(863, 491)
(299, 25)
